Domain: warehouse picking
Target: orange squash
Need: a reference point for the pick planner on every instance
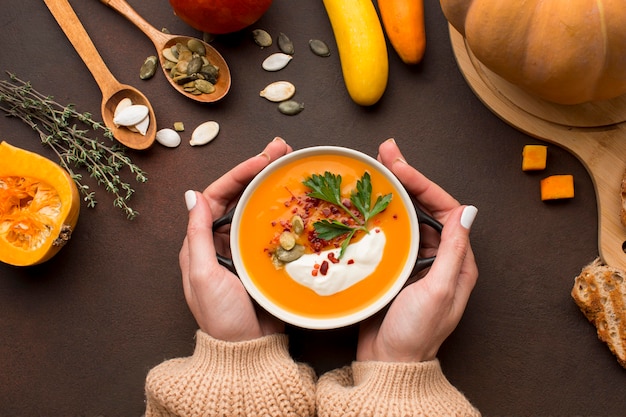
(403, 21)
(39, 207)
(556, 187)
(567, 52)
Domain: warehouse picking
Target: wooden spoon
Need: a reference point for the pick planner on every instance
(112, 91)
(163, 41)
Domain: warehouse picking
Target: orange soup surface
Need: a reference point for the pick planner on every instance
(269, 207)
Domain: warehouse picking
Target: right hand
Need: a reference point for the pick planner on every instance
(425, 312)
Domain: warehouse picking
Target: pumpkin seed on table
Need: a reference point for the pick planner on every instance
(262, 38)
(168, 137)
(285, 44)
(290, 107)
(278, 91)
(204, 133)
(276, 61)
(319, 47)
(148, 68)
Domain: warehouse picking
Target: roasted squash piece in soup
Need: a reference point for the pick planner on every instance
(39, 207)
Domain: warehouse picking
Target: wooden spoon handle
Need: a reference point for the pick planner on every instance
(78, 36)
(158, 38)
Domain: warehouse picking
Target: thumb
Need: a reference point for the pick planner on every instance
(198, 248)
(454, 259)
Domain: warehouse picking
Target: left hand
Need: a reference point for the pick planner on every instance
(216, 297)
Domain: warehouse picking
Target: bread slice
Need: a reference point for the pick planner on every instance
(600, 292)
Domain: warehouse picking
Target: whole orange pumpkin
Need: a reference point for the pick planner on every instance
(567, 52)
(220, 16)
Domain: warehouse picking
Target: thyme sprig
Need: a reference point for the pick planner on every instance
(57, 128)
(327, 187)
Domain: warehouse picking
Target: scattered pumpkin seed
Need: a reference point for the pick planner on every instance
(261, 38)
(290, 107)
(148, 69)
(285, 44)
(319, 47)
(168, 137)
(179, 126)
(208, 37)
(276, 62)
(278, 91)
(166, 30)
(204, 133)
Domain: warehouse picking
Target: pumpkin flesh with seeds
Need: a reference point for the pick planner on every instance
(562, 51)
(39, 207)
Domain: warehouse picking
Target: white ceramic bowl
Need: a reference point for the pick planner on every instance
(347, 318)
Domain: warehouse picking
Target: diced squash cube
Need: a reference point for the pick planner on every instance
(557, 187)
(534, 157)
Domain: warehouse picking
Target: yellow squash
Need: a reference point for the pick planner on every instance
(564, 51)
(39, 207)
(362, 48)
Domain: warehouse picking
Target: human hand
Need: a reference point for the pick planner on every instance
(425, 312)
(216, 297)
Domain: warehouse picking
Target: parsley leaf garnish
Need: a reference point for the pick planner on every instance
(327, 187)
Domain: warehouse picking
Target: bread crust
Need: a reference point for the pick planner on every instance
(622, 215)
(600, 293)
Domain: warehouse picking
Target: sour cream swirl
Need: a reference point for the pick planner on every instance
(320, 273)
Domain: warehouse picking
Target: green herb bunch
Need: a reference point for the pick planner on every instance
(57, 129)
(327, 187)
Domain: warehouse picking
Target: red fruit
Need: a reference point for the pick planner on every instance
(220, 16)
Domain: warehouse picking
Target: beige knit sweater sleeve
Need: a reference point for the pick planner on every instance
(376, 389)
(252, 378)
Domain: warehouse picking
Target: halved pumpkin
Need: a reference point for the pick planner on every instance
(39, 207)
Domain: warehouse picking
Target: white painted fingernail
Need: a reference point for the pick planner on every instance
(468, 216)
(190, 199)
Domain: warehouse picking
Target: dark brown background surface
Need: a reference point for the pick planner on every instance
(79, 333)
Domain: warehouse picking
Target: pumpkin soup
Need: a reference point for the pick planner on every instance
(342, 273)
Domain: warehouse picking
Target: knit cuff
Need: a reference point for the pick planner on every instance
(384, 389)
(214, 355)
(255, 377)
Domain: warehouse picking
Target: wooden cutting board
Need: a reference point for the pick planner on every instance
(594, 132)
